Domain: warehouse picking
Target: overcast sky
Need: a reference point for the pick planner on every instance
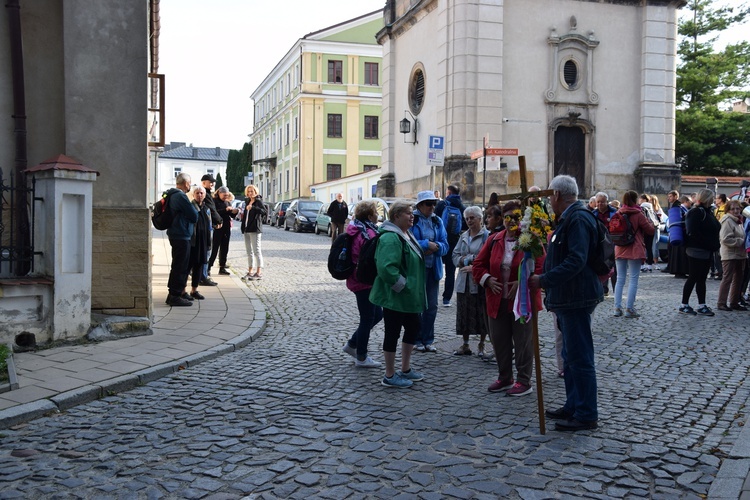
(215, 54)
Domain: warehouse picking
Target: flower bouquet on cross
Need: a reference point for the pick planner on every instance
(535, 227)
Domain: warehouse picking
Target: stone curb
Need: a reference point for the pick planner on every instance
(731, 481)
(66, 400)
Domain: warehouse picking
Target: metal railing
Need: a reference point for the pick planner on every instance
(17, 213)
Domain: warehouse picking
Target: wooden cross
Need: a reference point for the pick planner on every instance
(525, 194)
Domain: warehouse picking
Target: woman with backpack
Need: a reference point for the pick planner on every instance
(363, 227)
(628, 229)
(702, 238)
(470, 311)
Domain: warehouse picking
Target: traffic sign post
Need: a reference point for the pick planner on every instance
(436, 151)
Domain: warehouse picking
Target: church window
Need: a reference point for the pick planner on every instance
(416, 89)
(570, 74)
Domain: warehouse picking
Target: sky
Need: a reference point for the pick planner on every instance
(215, 54)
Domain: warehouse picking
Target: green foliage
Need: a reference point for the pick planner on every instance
(4, 353)
(710, 141)
(239, 163)
(218, 182)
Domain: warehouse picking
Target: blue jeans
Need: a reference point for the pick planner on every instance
(578, 363)
(629, 269)
(427, 332)
(369, 316)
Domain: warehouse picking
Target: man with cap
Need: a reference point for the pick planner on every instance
(207, 181)
(430, 233)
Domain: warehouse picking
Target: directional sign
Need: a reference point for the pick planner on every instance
(436, 151)
(502, 151)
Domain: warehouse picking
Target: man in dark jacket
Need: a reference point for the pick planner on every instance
(338, 212)
(179, 233)
(207, 181)
(453, 199)
(573, 291)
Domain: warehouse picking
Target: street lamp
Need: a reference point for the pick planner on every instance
(405, 127)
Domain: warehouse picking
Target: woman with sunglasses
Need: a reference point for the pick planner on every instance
(496, 269)
(470, 312)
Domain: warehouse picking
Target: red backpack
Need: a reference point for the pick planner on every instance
(621, 230)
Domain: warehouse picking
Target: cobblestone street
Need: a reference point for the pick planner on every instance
(289, 416)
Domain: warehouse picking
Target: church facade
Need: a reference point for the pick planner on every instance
(584, 88)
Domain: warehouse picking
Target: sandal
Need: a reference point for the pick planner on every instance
(463, 350)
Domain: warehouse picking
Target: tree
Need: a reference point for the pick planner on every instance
(710, 141)
(218, 182)
(239, 163)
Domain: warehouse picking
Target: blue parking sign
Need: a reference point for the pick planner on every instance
(437, 142)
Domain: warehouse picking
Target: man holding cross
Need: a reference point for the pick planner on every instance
(573, 291)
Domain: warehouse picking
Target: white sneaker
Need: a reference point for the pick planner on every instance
(367, 363)
(351, 351)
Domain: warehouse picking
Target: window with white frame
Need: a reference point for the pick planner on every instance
(273, 139)
(176, 171)
(279, 185)
(296, 127)
(295, 177)
(287, 180)
(288, 83)
(287, 133)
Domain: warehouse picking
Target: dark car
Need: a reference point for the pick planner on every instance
(269, 211)
(301, 215)
(279, 212)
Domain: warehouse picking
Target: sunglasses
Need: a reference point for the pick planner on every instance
(429, 203)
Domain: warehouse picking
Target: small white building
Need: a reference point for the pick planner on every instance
(197, 162)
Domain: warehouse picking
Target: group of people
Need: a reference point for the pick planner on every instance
(412, 248)
(200, 232)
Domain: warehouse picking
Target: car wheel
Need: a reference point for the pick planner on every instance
(315, 228)
(297, 229)
(329, 232)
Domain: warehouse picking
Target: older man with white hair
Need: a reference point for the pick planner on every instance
(573, 291)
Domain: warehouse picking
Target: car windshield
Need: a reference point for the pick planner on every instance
(312, 206)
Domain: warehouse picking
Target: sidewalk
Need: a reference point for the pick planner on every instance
(57, 379)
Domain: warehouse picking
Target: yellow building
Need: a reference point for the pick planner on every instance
(317, 113)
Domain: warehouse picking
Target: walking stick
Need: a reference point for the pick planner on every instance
(538, 365)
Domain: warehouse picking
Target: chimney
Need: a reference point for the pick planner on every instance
(218, 151)
(195, 152)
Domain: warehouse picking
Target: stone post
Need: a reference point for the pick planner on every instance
(63, 232)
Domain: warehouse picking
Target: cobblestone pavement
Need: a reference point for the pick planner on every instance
(289, 416)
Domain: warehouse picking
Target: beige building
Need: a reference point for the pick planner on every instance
(579, 87)
(74, 90)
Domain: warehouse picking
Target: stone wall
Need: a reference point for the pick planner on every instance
(121, 275)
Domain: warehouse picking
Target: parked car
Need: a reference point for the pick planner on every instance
(301, 215)
(323, 222)
(382, 205)
(269, 210)
(278, 214)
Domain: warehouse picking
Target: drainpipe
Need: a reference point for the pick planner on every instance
(21, 218)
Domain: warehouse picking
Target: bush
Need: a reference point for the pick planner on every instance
(4, 353)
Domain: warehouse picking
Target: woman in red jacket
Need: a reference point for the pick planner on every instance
(496, 269)
(628, 258)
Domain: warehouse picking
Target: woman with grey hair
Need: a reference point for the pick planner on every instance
(471, 308)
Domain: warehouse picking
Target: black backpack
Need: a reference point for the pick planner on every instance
(367, 271)
(340, 263)
(161, 215)
(603, 259)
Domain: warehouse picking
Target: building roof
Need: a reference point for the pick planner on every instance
(178, 151)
